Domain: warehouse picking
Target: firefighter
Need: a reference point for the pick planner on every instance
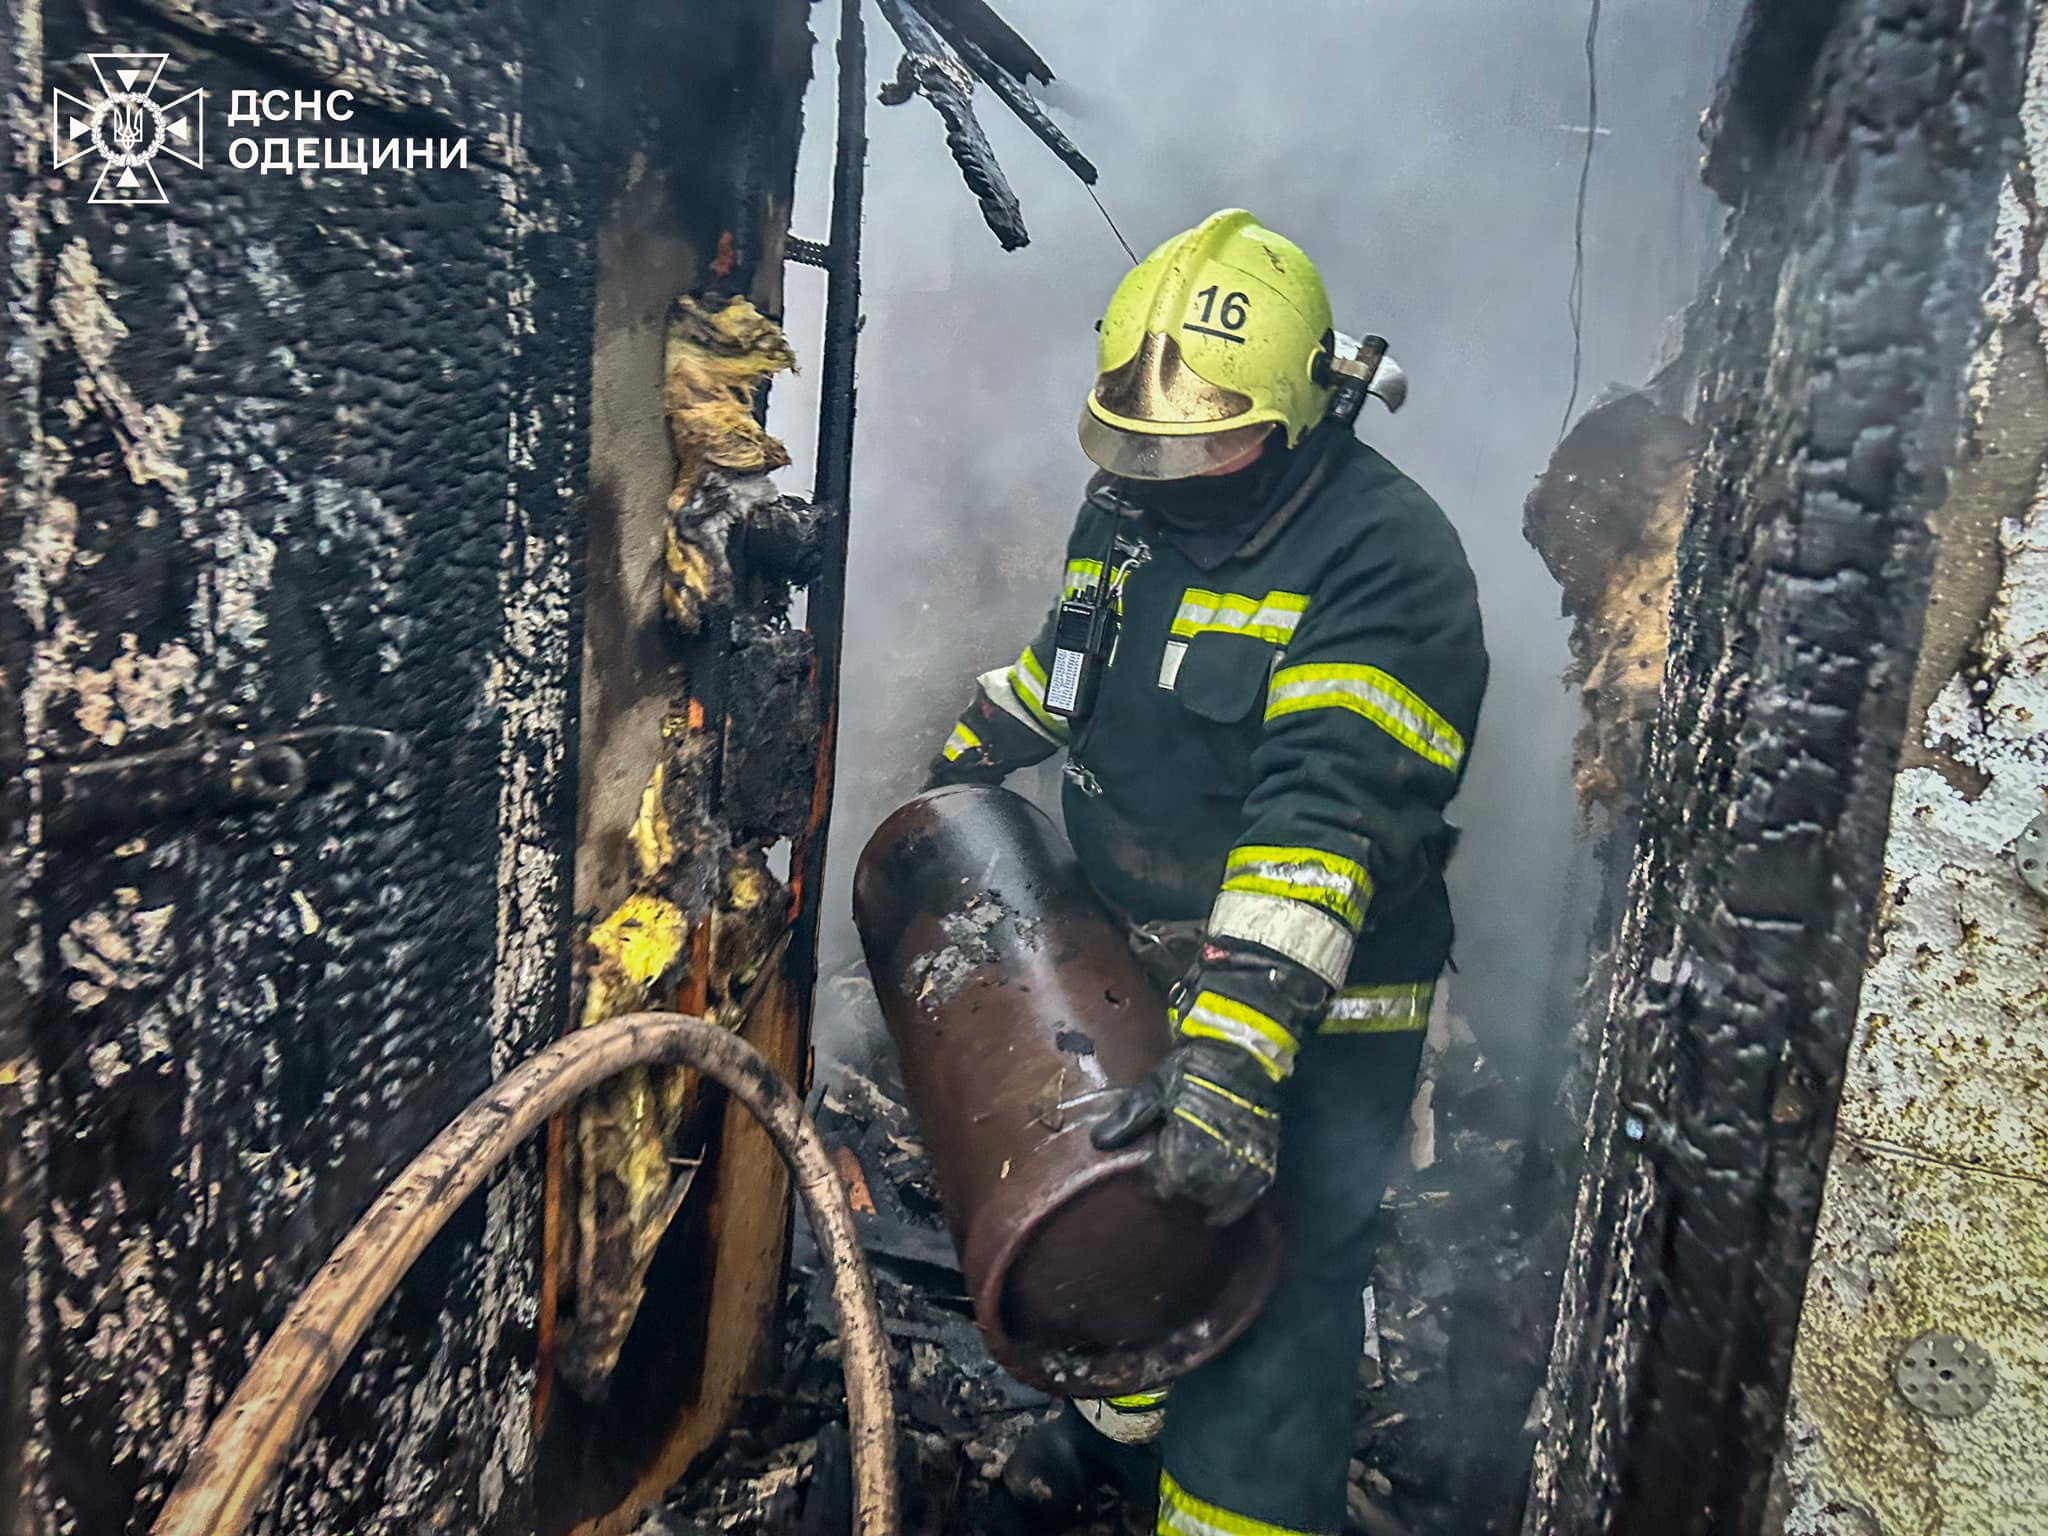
(1265, 672)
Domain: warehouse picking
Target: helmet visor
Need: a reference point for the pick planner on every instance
(1150, 456)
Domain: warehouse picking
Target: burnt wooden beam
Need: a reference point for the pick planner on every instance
(932, 68)
(1865, 145)
(825, 605)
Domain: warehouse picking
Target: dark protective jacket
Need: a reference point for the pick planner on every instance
(1277, 735)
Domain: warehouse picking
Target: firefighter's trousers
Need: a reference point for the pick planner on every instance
(1257, 1442)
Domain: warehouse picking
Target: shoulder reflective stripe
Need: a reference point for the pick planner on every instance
(1304, 934)
(1386, 1010)
(961, 739)
(1273, 618)
(1181, 1513)
(997, 686)
(1216, 1017)
(1169, 662)
(1328, 880)
(1376, 695)
(1082, 576)
(1027, 681)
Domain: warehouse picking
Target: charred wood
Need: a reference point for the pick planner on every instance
(1862, 145)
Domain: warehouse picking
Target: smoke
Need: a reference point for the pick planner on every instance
(1426, 154)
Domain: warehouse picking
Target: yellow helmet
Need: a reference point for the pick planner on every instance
(1208, 344)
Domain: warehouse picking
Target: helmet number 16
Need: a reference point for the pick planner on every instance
(1225, 320)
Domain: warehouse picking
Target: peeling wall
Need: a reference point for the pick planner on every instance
(1935, 1219)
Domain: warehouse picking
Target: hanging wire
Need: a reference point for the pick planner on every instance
(1575, 299)
(1120, 240)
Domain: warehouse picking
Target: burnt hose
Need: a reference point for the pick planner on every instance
(245, 1448)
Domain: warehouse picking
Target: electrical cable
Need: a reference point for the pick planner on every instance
(1575, 299)
(1120, 240)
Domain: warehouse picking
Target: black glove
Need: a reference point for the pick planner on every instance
(1217, 1111)
(1215, 1101)
(974, 765)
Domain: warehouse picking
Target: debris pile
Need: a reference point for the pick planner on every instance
(783, 1469)
(1455, 1351)
(1462, 1304)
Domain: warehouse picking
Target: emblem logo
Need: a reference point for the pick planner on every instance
(128, 127)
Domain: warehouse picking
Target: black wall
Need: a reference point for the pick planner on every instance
(298, 452)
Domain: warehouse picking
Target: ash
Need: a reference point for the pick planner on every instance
(1458, 1328)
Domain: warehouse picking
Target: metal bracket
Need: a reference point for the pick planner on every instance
(2030, 853)
(1654, 1135)
(222, 770)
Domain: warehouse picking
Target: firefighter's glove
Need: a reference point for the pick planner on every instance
(986, 746)
(1217, 1112)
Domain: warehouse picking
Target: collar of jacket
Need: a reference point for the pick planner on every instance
(1315, 462)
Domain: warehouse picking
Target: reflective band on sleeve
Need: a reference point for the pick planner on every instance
(1338, 885)
(1182, 1514)
(1082, 576)
(1386, 1010)
(1273, 618)
(961, 739)
(997, 685)
(1304, 934)
(1216, 1017)
(1132, 1400)
(1027, 682)
(1374, 694)
(1133, 1420)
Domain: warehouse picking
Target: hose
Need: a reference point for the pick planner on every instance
(229, 1476)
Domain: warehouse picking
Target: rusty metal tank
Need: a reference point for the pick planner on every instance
(1018, 1014)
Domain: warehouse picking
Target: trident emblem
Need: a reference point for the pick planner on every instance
(124, 120)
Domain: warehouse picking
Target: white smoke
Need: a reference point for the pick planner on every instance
(1426, 153)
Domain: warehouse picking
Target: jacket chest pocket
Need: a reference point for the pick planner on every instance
(1217, 675)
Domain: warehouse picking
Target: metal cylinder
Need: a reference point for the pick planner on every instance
(1018, 1013)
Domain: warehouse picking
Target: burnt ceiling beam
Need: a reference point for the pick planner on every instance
(948, 45)
(930, 67)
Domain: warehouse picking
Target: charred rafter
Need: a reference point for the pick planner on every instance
(947, 47)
